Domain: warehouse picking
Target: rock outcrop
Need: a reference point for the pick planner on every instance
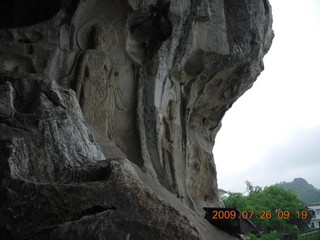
(109, 111)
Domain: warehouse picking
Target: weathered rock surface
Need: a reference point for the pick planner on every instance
(109, 112)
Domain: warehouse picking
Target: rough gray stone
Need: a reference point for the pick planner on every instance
(43, 134)
(109, 112)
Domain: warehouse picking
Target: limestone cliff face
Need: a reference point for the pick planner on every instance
(109, 112)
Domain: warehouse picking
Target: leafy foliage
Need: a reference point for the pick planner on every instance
(271, 236)
(271, 200)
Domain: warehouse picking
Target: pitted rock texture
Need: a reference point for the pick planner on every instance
(109, 112)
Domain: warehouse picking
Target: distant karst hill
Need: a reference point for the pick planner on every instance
(305, 191)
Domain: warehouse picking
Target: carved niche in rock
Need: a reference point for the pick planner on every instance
(104, 78)
(96, 86)
(171, 138)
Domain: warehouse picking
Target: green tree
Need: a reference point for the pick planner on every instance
(236, 200)
(274, 208)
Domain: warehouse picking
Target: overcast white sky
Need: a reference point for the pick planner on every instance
(272, 133)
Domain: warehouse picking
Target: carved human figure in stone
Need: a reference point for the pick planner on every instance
(97, 89)
(171, 139)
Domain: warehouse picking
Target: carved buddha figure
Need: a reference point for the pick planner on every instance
(96, 86)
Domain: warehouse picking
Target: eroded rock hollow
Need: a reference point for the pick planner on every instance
(109, 111)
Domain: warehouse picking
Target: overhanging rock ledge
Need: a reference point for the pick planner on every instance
(109, 111)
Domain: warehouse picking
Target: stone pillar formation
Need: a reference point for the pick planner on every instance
(109, 111)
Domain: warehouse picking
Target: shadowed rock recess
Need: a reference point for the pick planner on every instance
(109, 111)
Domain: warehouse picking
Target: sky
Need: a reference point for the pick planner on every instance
(272, 133)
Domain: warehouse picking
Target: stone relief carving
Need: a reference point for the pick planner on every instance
(153, 77)
(96, 84)
(170, 134)
(112, 117)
